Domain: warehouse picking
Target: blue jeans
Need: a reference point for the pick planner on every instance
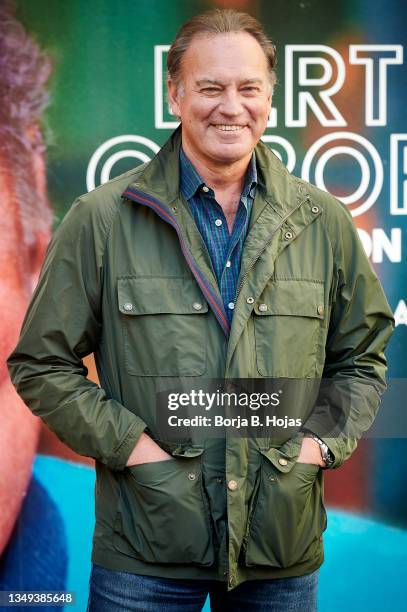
(112, 591)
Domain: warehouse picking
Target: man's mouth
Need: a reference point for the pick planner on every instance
(228, 128)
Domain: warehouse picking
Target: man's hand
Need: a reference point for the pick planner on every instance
(310, 452)
(146, 451)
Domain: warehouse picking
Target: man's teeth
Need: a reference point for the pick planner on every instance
(229, 128)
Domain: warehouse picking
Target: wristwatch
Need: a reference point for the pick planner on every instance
(327, 455)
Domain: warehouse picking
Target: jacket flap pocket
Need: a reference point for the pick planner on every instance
(292, 297)
(159, 295)
(285, 457)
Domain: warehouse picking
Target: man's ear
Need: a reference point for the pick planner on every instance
(173, 98)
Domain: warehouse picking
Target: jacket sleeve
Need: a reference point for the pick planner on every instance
(360, 325)
(62, 325)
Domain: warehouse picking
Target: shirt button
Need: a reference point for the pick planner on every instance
(263, 307)
(250, 300)
(283, 461)
(231, 305)
(232, 485)
(288, 235)
(228, 263)
(197, 306)
(191, 476)
(315, 209)
(218, 222)
(205, 189)
(128, 306)
(320, 309)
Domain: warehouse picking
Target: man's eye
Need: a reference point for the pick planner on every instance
(250, 89)
(211, 90)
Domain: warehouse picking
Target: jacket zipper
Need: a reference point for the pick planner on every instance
(264, 247)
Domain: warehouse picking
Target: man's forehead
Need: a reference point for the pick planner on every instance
(235, 48)
(231, 59)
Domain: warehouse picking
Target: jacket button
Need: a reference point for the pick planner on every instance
(283, 461)
(315, 209)
(250, 300)
(263, 307)
(288, 235)
(128, 306)
(191, 476)
(232, 485)
(197, 306)
(320, 309)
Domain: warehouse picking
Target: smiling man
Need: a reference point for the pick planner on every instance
(209, 262)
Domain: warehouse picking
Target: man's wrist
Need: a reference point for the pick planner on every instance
(326, 454)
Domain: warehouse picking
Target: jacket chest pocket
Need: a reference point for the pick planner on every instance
(288, 322)
(164, 326)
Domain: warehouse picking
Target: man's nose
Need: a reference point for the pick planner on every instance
(231, 103)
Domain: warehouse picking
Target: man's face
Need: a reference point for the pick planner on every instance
(225, 97)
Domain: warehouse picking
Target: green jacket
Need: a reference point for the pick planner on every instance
(122, 278)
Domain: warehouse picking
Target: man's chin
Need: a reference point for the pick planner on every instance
(231, 153)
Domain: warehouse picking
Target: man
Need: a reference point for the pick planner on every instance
(209, 262)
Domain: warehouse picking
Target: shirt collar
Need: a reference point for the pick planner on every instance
(191, 182)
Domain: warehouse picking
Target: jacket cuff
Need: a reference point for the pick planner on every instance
(123, 451)
(336, 447)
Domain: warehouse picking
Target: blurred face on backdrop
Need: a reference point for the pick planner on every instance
(223, 99)
(26, 219)
(21, 253)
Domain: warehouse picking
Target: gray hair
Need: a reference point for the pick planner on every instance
(24, 71)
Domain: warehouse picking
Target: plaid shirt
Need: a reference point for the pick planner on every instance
(225, 249)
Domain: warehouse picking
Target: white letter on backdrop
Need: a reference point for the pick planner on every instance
(319, 100)
(375, 89)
